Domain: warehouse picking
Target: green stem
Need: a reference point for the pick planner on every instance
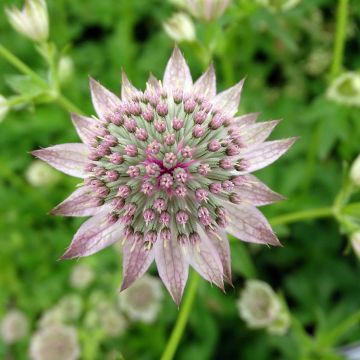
(23, 68)
(340, 37)
(182, 319)
(184, 313)
(302, 215)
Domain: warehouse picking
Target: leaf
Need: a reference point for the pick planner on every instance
(24, 85)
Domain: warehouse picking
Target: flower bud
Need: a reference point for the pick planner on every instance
(207, 10)
(355, 242)
(345, 89)
(258, 304)
(65, 69)
(31, 21)
(180, 28)
(40, 174)
(355, 171)
(278, 5)
(4, 108)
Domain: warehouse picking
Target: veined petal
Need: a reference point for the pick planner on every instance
(127, 88)
(94, 235)
(172, 267)
(206, 84)
(204, 258)
(82, 202)
(258, 133)
(68, 158)
(105, 102)
(228, 100)
(221, 244)
(245, 120)
(248, 224)
(153, 82)
(177, 73)
(85, 127)
(136, 260)
(255, 192)
(264, 154)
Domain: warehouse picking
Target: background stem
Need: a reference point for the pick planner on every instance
(340, 37)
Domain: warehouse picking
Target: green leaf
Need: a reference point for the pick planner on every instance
(24, 85)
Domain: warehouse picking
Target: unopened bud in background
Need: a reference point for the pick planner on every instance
(355, 242)
(345, 89)
(355, 171)
(65, 69)
(180, 27)
(4, 108)
(14, 326)
(207, 10)
(278, 5)
(31, 21)
(40, 174)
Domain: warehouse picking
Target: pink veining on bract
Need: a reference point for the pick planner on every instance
(167, 172)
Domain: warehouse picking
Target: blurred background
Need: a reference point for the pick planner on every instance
(285, 51)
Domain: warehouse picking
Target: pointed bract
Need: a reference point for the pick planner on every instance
(93, 235)
(228, 100)
(85, 127)
(265, 153)
(248, 224)
(206, 84)
(127, 88)
(258, 133)
(177, 73)
(104, 101)
(68, 158)
(255, 192)
(153, 82)
(172, 267)
(245, 120)
(82, 202)
(136, 260)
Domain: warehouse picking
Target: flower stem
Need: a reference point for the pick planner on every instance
(184, 313)
(340, 37)
(302, 215)
(182, 319)
(25, 69)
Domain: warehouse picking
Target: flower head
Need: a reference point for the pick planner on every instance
(31, 21)
(207, 10)
(142, 301)
(180, 27)
(56, 342)
(258, 304)
(70, 307)
(14, 326)
(167, 171)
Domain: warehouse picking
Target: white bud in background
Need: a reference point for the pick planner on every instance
(14, 326)
(258, 304)
(65, 69)
(56, 342)
(70, 307)
(142, 301)
(180, 28)
(31, 21)
(112, 322)
(278, 5)
(355, 171)
(40, 174)
(50, 317)
(4, 107)
(207, 10)
(355, 242)
(81, 276)
(345, 89)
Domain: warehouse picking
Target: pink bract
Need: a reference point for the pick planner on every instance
(167, 172)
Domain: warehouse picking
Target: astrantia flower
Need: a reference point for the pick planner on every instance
(81, 276)
(14, 326)
(56, 342)
(345, 89)
(167, 171)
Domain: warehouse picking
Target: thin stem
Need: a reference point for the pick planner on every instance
(302, 215)
(182, 319)
(340, 37)
(23, 68)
